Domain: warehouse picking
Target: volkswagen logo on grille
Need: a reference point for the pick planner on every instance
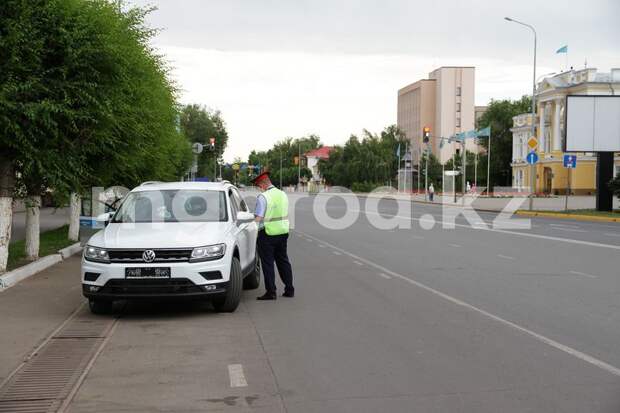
(148, 256)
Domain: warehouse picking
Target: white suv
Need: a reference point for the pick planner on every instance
(182, 239)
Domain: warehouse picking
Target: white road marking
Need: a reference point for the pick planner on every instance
(358, 263)
(583, 274)
(455, 245)
(384, 275)
(565, 226)
(308, 239)
(569, 229)
(336, 253)
(506, 257)
(550, 342)
(321, 246)
(505, 231)
(611, 234)
(237, 378)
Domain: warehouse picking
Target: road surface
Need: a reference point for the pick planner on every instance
(400, 320)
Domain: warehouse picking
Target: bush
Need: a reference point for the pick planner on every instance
(364, 186)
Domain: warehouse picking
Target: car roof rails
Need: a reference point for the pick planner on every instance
(150, 183)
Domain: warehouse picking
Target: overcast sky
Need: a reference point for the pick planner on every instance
(278, 68)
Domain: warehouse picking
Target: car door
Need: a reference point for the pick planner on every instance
(251, 228)
(241, 232)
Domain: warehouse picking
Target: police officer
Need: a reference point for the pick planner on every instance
(272, 216)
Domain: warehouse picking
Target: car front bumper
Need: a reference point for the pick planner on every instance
(132, 289)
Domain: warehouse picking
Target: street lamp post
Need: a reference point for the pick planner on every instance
(533, 121)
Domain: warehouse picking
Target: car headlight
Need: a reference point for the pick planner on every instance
(96, 254)
(208, 253)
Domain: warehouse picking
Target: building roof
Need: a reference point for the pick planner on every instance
(321, 153)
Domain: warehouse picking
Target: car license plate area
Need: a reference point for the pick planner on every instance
(147, 272)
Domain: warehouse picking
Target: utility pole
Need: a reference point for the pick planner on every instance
(299, 166)
(280, 169)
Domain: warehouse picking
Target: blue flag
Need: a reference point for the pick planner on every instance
(563, 49)
(484, 132)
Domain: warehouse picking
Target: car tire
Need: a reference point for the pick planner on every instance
(252, 281)
(100, 306)
(228, 302)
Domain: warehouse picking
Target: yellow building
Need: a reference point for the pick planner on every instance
(551, 176)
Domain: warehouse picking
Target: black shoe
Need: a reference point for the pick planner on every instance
(289, 294)
(267, 296)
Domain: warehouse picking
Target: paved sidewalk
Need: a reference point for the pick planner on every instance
(32, 309)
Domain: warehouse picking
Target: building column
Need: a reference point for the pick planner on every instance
(557, 139)
(541, 136)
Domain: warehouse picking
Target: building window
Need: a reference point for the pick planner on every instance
(458, 106)
(458, 91)
(458, 122)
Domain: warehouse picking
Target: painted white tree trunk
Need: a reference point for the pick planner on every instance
(6, 219)
(74, 218)
(33, 213)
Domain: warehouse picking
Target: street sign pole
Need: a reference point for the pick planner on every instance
(567, 190)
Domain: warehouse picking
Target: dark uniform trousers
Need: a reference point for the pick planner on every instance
(273, 248)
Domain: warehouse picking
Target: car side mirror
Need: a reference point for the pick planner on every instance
(244, 216)
(105, 217)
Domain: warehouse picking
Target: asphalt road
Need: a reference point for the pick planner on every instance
(394, 320)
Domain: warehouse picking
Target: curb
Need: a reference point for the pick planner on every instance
(568, 216)
(13, 277)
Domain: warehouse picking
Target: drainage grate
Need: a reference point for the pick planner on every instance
(48, 377)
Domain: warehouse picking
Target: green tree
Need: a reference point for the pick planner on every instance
(614, 185)
(499, 116)
(84, 100)
(201, 125)
(365, 163)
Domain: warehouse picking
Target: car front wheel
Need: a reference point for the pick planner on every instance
(100, 306)
(252, 281)
(228, 302)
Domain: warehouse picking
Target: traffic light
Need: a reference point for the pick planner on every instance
(426, 134)
(212, 144)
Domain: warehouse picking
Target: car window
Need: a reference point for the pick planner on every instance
(239, 200)
(172, 206)
(234, 204)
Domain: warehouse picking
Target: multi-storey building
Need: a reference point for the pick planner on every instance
(445, 102)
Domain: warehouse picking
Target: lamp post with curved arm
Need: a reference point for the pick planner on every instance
(533, 121)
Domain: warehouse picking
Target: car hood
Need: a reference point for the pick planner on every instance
(161, 235)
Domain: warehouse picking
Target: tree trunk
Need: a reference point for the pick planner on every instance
(33, 213)
(7, 181)
(74, 219)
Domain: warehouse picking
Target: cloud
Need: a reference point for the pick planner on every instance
(266, 96)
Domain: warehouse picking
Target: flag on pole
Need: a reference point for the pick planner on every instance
(398, 150)
(484, 132)
(563, 49)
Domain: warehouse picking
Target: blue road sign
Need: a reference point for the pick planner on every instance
(570, 161)
(532, 158)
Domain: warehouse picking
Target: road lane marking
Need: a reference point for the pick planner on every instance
(550, 342)
(611, 234)
(565, 226)
(455, 245)
(358, 263)
(321, 246)
(237, 378)
(507, 257)
(583, 274)
(336, 253)
(384, 275)
(569, 229)
(505, 231)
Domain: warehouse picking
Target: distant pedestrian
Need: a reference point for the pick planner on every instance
(431, 192)
(272, 216)
(468, 187)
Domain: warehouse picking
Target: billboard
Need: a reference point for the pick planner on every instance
(592, 123)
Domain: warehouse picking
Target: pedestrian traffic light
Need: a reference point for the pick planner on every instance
(426, 134)
(212, 144)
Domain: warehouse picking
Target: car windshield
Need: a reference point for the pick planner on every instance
(172, 206)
